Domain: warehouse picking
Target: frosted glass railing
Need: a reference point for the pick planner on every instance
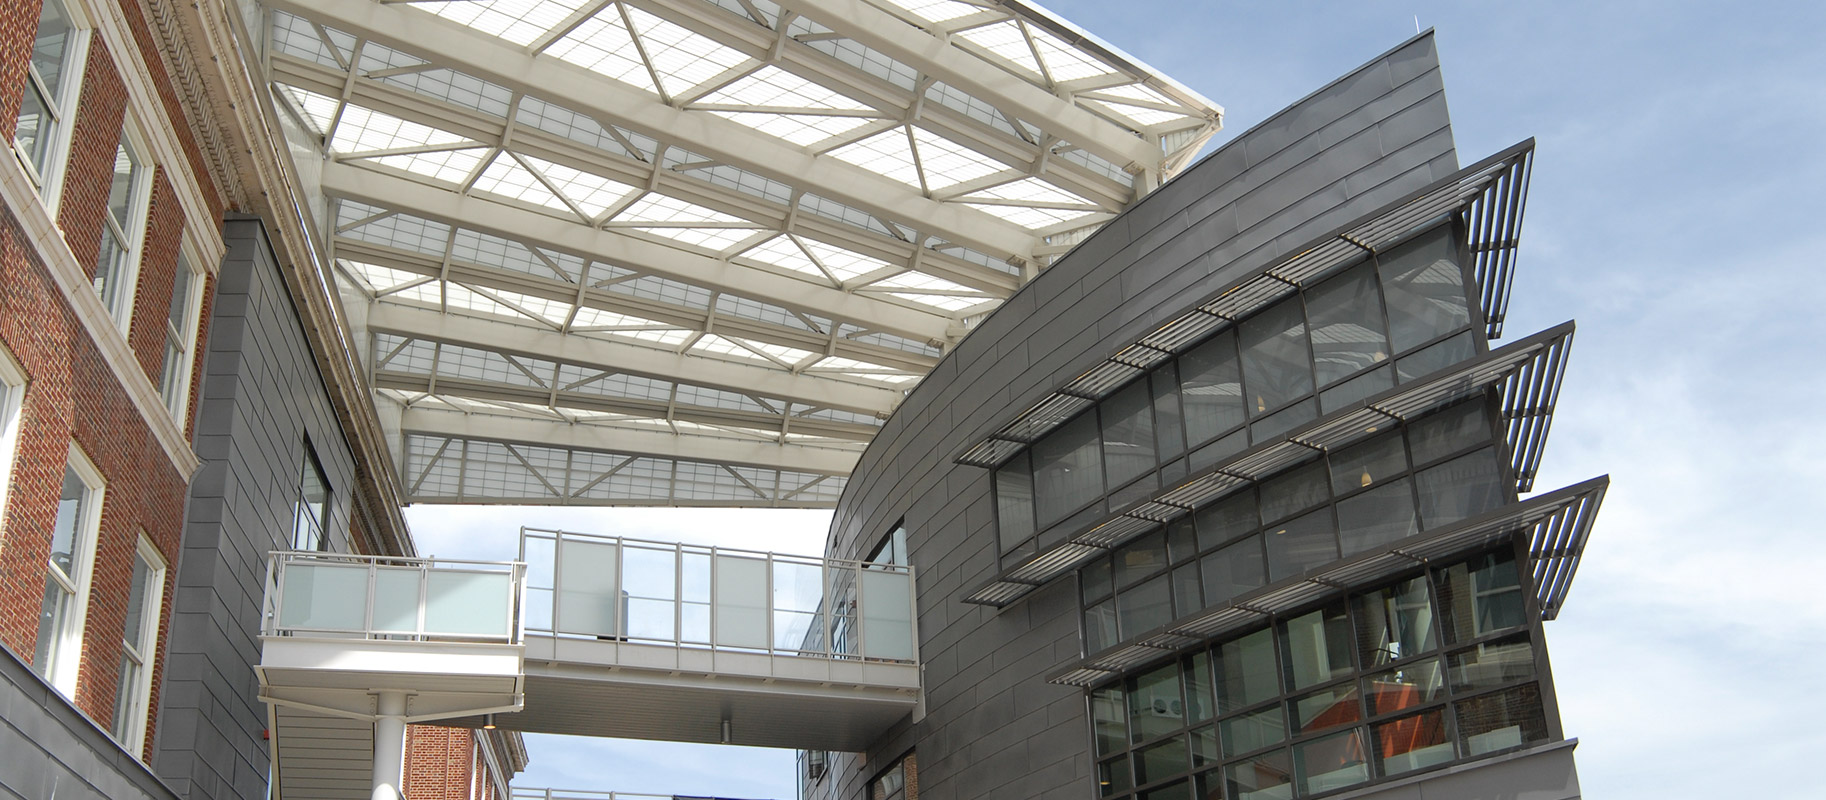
(330, 594)
(611, 588)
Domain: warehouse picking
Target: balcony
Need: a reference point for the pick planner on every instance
(656, 640)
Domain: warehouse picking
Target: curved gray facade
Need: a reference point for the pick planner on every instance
(991, 725)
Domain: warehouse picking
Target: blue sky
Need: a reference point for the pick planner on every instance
(1674, 212)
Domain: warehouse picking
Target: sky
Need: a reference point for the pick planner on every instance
(1673, 213)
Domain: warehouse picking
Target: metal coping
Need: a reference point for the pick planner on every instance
(1559, 523)
(1529, 371)
(1492, 193)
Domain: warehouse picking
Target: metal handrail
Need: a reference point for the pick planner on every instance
(835, 620)
(280, 563)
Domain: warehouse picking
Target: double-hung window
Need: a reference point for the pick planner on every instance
(46, 105)
(129, 193)
(180, 336)
(66, 583)
(139, 635)
(311, 516)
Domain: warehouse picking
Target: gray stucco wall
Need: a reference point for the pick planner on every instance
(48, 749)
(993, 727)
(262, 398)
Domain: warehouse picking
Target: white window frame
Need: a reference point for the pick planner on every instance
(49, 181)
(306, 525)
(12, 406)
(181, 336)
(65, 653)
(137, 697)
(132, 234)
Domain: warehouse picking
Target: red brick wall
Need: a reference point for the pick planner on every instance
(18, 24)
(72, 396)
(100, 112)
(440, 763)
(157, 269)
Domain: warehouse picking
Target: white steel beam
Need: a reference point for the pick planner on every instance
(934, 55)
(370, 186)
(677, 315)
(812, 390)
(498, 61)
(563, 436)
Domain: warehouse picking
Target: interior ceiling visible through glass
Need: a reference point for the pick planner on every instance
(734, 198)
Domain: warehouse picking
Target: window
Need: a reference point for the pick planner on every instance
(180, 337)
(1357, 690)
(66, 590)
(139, 635)
(12, 402)
(46, 105)
(129, 193)
(892, 549)
(311, 516)
(892, 784)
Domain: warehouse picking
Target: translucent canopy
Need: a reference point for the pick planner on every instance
(728, 234)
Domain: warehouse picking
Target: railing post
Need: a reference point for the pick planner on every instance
(616, 605)
(678, 594)
(767, 602)
(913, 613)
(862, 642)
(828, 606)
(713, 603)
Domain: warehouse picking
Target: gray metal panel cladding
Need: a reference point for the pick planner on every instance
(991, 728)
(49, 749)
(262, 399)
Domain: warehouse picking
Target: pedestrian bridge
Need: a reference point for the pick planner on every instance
(586, 635)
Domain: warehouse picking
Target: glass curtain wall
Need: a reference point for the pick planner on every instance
(1390, 318)
(1433, 668)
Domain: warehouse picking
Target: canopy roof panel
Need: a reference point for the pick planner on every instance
(783, 212)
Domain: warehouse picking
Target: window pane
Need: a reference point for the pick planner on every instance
(126, 699)
(1461, 488)
(1144, 608)
(1128, 433)
(1505, 660)
(1014, 501)
(1360, 466)
(1155, 707)
(1326, 708)
(1161, 761)
(1300, 544)
(1331, 763)
(1276, 365)
(1436, 357)
(1481, 596)
(35, 128)
(1246, 672)
(1211, 389)
(1406, 687)
(1175, 791)
(1449, 431)
(1199, 705)
(1424, 288)
(66, 532)
(1113, 776)
(1217, 451)
(1169, 430)
(1100, 627)
(178, 315)
(1348, 392)
(1067, 468)
(51, 45)
(1346, 314)
(1181, 541)
(1394, 623)
(1234, 571)
(1501, 720)
(1405, 745)
(121, 187)
(1253, 731)
(1204, 747)
(133, 631)
(1296, 490)
(1318, 646)
(1273, 425)
(1110, 719)
(111, 271)
(1096, 579)
(1186, 596)
(1266, 777)
(1141, 558)
(1226, 519)
(52, 613)
(1377, 518)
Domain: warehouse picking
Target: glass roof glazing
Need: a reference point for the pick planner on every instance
(818, 195)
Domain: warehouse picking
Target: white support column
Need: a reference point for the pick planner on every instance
(389, 744)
